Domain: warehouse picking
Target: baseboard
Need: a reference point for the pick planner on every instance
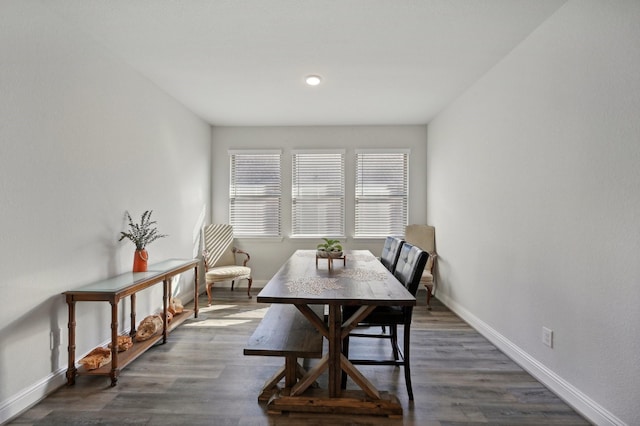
(24, 400)
(587, 407)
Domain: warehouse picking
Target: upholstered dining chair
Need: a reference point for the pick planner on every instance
(220, 263)
(408, 271)
(391, 252)
(424, 236)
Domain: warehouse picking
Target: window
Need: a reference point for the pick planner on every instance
(381, 192)
(254, 193)
(317, 194)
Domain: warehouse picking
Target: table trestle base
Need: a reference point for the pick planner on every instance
(350, 402)
(271, 386)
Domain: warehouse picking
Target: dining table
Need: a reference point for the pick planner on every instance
(359, 280)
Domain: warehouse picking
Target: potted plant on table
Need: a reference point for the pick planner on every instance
(330, 248)
(141, 235)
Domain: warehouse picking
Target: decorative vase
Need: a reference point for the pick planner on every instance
(140, 258)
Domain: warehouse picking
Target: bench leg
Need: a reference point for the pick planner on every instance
(271, 385)
(291, 371)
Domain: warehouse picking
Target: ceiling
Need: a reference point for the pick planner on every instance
(243, 62)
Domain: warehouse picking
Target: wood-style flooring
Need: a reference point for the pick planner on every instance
(201, 377)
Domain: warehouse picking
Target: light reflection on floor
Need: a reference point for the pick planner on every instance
(225, 320)
(215, 323)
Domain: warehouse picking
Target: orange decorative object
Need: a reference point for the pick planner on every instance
(140, 258)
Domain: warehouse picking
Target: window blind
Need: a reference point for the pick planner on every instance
(317, 194)
(381, 193)
(255, 192)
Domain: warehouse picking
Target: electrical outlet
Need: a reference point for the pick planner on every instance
(547, 336)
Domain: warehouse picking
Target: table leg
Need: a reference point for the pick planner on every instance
(114, 342)
(195, 293)
(132, 332)
(71, 348)
(166, 288)
(335, 350)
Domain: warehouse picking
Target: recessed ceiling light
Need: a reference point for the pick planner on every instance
(313, 80)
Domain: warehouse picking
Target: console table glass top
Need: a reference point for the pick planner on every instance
(123, 281)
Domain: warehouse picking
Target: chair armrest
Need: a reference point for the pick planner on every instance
(238, 251)
(205, 254)
(430, 262)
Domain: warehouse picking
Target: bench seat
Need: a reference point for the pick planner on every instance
(285, 332)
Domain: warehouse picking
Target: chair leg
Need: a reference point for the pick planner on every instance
(208, 287)
(428, 298)
(345, 352)
(393, 330)
(232, 283)
(249, 288)
(407, 366)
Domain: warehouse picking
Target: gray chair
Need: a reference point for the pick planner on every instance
(390, 252)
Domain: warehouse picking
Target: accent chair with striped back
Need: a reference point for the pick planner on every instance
(220, 261)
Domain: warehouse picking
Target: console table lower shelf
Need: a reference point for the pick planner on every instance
(127, 357)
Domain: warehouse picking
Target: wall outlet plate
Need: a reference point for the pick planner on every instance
(547, 336)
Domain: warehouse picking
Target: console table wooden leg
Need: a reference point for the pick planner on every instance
(166, 288)
(132, 332)
(195, 295)
(71, 370)
(114, 342)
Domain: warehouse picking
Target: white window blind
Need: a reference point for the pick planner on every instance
(381, 193)
(317, 194)
(254, 193)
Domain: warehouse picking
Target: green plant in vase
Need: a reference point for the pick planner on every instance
(141, 234)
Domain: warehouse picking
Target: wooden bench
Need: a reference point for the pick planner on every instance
(285, 332)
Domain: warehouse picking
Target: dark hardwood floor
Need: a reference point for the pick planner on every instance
(200, 377)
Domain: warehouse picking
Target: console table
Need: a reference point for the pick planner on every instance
(112, 290)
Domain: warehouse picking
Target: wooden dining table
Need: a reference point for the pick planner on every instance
(359, 280)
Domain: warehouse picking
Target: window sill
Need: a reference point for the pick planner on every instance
(260, 239)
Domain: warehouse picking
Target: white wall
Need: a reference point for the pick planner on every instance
(534, 189)
(83, 138)
(267, 256)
